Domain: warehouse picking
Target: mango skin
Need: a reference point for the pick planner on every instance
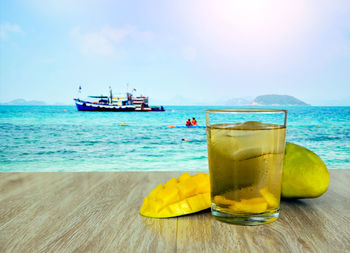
(304, 175)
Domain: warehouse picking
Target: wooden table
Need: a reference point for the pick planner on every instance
(98, 212)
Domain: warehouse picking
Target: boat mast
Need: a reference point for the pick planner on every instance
(110, 94)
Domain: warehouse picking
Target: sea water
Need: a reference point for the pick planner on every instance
(60, 138)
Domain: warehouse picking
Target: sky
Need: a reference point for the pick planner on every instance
(198, 52)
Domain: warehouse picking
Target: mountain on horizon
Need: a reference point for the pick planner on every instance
(272, 100)
(21, 101)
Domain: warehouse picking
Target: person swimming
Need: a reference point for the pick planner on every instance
(194, 122)
(188, 123)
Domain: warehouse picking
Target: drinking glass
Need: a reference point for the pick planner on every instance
(245, 153)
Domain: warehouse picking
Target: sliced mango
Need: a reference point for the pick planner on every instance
(184, 195)
(252, 205)
(221, 200)
(271, 200)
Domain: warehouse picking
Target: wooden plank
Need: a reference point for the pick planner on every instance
(50, 212)
(98, 212)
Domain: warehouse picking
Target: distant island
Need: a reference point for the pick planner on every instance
(266, 100)
(21, 101)
(278, 100)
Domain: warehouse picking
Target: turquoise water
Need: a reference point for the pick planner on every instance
(59, 138)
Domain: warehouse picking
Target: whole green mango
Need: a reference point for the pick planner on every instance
(304, 175)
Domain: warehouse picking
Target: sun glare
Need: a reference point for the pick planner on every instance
(253, 26)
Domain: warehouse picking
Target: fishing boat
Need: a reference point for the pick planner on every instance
(116, 104)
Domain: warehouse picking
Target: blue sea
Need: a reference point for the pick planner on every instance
(60, 138)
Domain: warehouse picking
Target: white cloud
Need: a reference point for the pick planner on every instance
(7, 28)
(106, 41)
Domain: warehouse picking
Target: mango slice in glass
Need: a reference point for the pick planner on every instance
(271, 200)
(184, 195)
(252, 205)
(221, 200)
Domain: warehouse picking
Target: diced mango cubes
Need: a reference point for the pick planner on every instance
(183, 177)
(185, 195)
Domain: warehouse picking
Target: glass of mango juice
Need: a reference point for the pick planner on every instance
(245, 155)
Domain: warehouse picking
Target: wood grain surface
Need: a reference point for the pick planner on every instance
(98, 212)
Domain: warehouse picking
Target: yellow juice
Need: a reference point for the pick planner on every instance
(245, 165)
